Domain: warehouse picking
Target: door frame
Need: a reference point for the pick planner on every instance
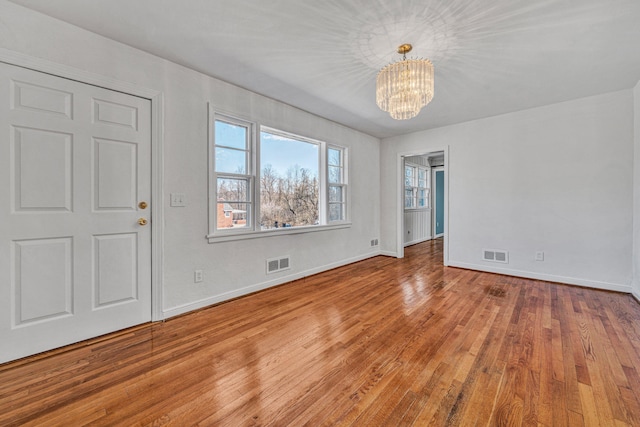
(157, 138)
(400, 198)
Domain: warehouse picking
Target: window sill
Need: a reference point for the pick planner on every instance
(245, 235)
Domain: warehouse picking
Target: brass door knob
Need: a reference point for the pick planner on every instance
(143, 205)
(142, 221)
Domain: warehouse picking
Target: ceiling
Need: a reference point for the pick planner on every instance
(490, 56)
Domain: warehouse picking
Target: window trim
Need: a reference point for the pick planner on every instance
(343, 184)
(253, 231)
(322, 147)
(415, 186)
(213, 175)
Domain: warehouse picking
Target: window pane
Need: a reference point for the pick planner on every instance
(289, 188)
(336, 211)
(233, 190)
(408, 175)
(408, 198)
(422, 178)
(231, 161)
(232, 215)
(408, 202)
(334, 157)
(230, 135)
(335, 194)
(335, 175)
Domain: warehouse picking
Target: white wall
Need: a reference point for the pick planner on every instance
(417, 226)
(636, 193)
(556, 179)
(231, 268)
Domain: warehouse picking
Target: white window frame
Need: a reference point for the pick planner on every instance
(415, 186)
(322, 147)
(408, 188)
(252, 230)
(249, 174)
(343, 184)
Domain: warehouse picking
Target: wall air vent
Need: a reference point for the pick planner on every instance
(275, 265)
(284, 263)
(494, 255)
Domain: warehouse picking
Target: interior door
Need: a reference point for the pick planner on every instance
(75, 211)
(439, 202)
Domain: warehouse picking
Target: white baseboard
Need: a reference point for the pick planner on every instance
(546, 277)
(415, 242)
(185, 308)
(389, 253)
(195, 305)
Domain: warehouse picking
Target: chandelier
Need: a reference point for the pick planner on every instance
(404, 87)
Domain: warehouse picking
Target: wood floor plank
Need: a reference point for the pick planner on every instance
(381, 342)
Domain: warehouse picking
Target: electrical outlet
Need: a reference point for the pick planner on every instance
(198, 276)
(177, 200)
(539, 256)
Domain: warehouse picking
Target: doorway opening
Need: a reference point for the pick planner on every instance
(422, 202)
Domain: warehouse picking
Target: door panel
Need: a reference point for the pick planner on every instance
(40, 99)
(116, 269)
(115, 174)
(439, 202)
(41, 165)
(43, 288)
(111, 113)
(74, 164)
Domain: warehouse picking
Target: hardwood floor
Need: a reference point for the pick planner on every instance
(383, 342)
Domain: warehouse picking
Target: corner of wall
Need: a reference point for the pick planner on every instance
(635, 283)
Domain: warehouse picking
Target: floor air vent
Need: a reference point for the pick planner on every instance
(495, 256)
(278, 264)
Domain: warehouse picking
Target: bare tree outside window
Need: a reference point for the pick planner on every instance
(289, 187)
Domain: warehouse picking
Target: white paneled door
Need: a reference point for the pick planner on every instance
(75, 214)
